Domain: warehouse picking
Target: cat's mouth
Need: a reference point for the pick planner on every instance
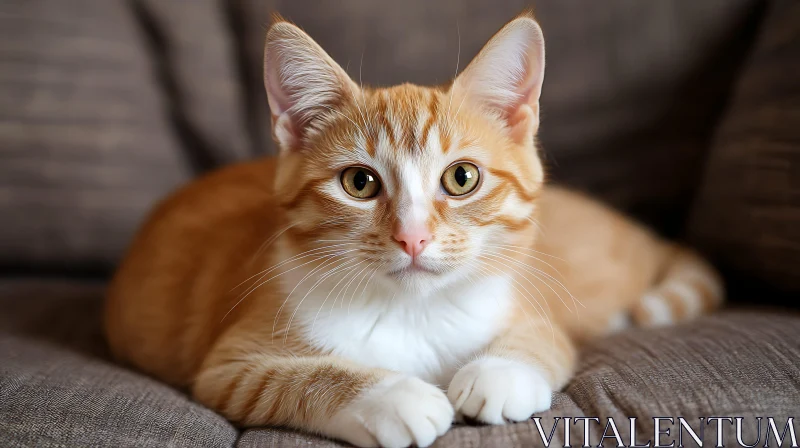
(412, 269)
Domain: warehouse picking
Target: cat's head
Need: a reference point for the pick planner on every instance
(415, 185)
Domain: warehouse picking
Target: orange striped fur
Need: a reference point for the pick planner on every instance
(278, 298)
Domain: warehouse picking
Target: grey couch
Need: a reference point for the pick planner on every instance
(682, 114)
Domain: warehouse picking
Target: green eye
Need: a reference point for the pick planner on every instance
(361, 183)
(460, 179)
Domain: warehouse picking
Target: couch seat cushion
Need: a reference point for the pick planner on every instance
(58, 387)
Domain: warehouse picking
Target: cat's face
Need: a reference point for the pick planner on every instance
(408, 185)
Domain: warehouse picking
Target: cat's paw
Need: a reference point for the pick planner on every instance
(493, 390)
(397, 412)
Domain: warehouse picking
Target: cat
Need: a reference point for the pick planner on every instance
(399, 265)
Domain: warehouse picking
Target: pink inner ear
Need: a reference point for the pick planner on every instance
(285, 133)
(279, 101)
(524, 123)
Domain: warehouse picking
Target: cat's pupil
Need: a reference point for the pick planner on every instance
(461, 176)
(360, 180)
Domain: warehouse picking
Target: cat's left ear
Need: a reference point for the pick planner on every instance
(505, 79)
(303, 83)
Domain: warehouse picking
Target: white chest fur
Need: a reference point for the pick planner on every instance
(429, 338)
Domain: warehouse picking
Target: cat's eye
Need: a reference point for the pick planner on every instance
(461, 178)
(360, 182)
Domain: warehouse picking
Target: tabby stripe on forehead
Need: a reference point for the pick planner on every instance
(467, 142)
(410, 132)
(368, 130)
(445, 132)
(372, 141)
(384, 120)
(433, 111)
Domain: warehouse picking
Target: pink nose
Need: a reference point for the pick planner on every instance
(413, 241)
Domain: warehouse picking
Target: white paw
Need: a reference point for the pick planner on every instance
(397, 412)
(493, 390)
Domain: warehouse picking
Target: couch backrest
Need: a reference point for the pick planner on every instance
(747, 212)
(106, 106)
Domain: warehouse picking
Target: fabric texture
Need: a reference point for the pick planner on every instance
(85, 147)
(194, 45)
(59, 388)
(747, 213)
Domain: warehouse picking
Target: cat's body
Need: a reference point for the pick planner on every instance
(278, 299)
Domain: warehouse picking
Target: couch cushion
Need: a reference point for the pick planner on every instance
(85, 143)
(58, 388)
(193, 44)
(747, 214)
(738, 364)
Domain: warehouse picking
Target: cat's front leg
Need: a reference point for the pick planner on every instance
(326, 395)
(516, 376)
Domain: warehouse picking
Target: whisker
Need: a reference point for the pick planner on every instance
(354, 291)
(347, 271)
(332, 258)
(363, 291)
(269, 242)
(535, 223)
(523, 287)
(535, 304)
(343, 293)
(496, 303)
(527, 316)
(329, 258)
(531, 270)
(509, 248)
(452, 123)
(455, 75)
(301, 255)
(329, 273)
(561, 285)
(251, 290)
(363, 132)
(393, 297)
(355, 100)
(530, 250)
(361, 87)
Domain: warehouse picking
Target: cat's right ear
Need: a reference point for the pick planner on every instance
(303, 83)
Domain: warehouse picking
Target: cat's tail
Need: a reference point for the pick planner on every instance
(688, 287)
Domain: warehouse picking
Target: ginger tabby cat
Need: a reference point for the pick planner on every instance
(400, 264)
